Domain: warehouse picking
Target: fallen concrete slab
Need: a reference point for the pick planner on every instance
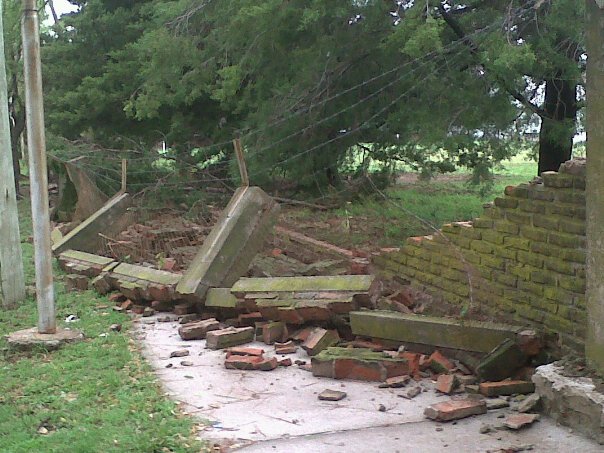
(439, 332)
(112, 218)
(356, 284)
(231, 245)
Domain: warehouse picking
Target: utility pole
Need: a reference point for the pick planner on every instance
(38, 173)
(594, 345)
(12, 281)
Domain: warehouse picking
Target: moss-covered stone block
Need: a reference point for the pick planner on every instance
(517, 243)
(572, 226)
(557, 180)
(439, 332)
(492, 236)
(519, 217)
(533, 206)
(482, 222)
(507, 227)
(566, 240)
(530, 258)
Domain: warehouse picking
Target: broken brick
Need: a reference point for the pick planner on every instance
(185, 319)
(359, 370)
(138, 309)
(249, 319)
(285, 362)
(127, 305)
(241, 350)
(395, 382)
(518, 421)
(439, 363)
(101, 285)
(446, 383)
(117, 298)
(273, 332)
(331, 395)
(231, 336)
(413, 360)
(301, 335)
(163, 293)
(320, 339)
(374, 346)
(455, 409)
(198, 330)
(285, 348)
(248, 362)
(529, 342)
(76, 283)
(506, 388)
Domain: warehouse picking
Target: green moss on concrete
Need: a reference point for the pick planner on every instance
(89, 257)
(147, 274)
(360, 283)
(468, 335)
(220, 298)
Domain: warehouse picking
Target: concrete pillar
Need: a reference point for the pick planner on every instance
(594, 347)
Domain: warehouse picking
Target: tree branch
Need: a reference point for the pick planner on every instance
(474, 50)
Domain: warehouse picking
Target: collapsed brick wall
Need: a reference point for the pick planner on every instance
(522, 260)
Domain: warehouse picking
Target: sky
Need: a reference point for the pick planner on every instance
(62, 7)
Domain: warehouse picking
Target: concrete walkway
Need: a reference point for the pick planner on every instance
(279, 411)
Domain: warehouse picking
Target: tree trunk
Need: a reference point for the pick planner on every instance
(558, 125)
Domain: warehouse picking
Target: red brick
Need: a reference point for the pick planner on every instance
(289, 316)
(301, 335)
(273, 332)
(374, 346)
(127, 305)
(319, 340)
(285, 348)
(506, 388)
(518, 421)
(455, 409)
(348, 368)
(530, 342)
(285, 362)
(198, 330)
(76, 283)
(247, 362)
(183, 309)
(413, 360)
(138, 309)
(314, 314)
(249, 319)
(396, 368)
(242, 350)
(446, 383)
(117, 297)
(163, 306)
(395, 382)
(231, 336)
(159, 292)
(439, 363)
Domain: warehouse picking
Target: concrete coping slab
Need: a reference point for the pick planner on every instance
(30, 338)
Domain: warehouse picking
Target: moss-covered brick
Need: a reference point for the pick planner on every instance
(543, 277)
(519, 191)
(574, 284)
(543, 304)
(570, 313)
(507, 227)
(530, 313)
(544, 249)
(571, 196)
(558, 294)
(533, 206)
(481, 247)
(580, 272)
(517, 243)
(579, 182)
(505, 252)
(462, 242)
(541, 193)
(557, 180)
(579, 300)
(530, 258)
(492, 236)
(506, 202)
(558, 324)
(493, 212)
(572, 226)
(567, 240)
(493, 262)
(470, 232)
(567, 210)
(534, 234)
(519, 217)
(461, 289)
(559, 265)
(505, 278)
(522, 272)
(472, 257)
(482, 222)
(547, 222)
(530, 287)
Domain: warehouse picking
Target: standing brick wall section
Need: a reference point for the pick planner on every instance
(522, 260)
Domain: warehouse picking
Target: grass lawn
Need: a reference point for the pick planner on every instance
(95, 396)
(413, 208)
